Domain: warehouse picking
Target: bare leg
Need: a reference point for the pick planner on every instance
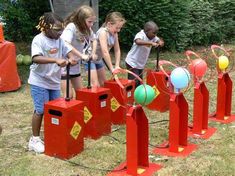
(94, 79)
(36, 124)
(101, 76)
(76, 84)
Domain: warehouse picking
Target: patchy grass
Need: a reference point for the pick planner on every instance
(215, 156)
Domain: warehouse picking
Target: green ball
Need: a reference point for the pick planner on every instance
(19, 59)
(144, 94)
(27, 60)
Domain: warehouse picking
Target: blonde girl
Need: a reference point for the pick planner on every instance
(79, 35)
(107, 38)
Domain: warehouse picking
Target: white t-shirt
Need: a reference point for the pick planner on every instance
(78, 41)
(110, 42)
(138, 55)
(47, 75)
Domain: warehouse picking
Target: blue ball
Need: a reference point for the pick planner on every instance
(180, 78)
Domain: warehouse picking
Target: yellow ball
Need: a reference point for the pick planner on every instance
(223, 62)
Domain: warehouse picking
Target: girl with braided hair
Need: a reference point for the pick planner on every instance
(48, 53)
(79, 35)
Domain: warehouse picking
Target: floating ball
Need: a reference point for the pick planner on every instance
(144, 94)
(198, 67)
(180, 77)
(19, 59)
(223, 62)
(27, 60)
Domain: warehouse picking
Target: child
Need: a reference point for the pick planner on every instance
(79, 35)
(139, 53)
(48, 53)
(107, 38)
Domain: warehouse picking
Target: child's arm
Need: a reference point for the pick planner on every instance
(117, 52)
(160, 42)
(46, 60)
(93, 53)
(104, 49)
(143, 42)
(71, 58)
(77, 53)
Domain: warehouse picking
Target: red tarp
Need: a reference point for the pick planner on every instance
(9, 78)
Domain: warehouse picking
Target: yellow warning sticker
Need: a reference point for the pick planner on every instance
(156, 91)
(203, 131)
(87, 114)
(140, 171)
(226, 117)
(75, 131)
(180, 149)
(114, 104)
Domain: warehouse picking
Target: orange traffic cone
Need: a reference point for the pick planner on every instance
(1, 33)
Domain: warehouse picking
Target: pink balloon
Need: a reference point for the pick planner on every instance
(198, 67)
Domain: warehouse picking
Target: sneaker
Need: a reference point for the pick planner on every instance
(36, 144)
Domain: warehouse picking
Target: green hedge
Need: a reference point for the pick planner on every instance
(183, 23)
(21, 17)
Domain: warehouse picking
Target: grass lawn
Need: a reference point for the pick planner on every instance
(215, 156)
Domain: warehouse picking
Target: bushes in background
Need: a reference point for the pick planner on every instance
(21, 17)
(182, 23)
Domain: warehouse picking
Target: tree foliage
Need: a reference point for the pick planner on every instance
(182, 23)
(21, 17)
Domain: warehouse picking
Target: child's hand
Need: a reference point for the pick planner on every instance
(73, 61)
(117, 67)
(154, 44)
(85, 57)
(161, 43)
(61, 62)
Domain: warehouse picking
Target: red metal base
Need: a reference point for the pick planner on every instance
(96, 111)
(159, 81)
(63, 128)
(143, 171)
(183, 151)
(227, 119)
(205, 133)
(121, 99)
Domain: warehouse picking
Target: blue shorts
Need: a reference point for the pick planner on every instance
(41, 96)
(95, 66)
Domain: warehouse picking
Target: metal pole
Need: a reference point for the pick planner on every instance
(51, 5)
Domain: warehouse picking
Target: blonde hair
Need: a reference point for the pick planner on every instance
(113, 18)
(79, 16)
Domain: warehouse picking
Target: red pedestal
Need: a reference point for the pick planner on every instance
(96, 112)
(137, 146)
(178, 129)
(63, 128)
(200, 113)
(9, 78)
(121, 99)
(159, 81)
(224, 100)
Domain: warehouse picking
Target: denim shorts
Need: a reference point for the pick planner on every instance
(40, 96)
(95, 66)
